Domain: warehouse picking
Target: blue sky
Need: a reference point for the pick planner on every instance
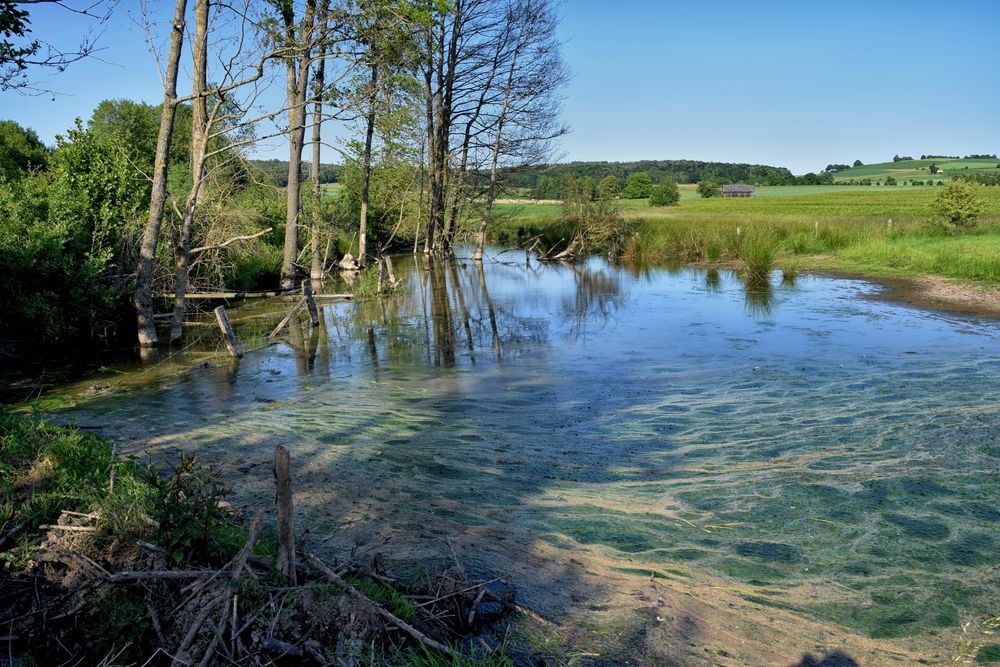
(796, 84)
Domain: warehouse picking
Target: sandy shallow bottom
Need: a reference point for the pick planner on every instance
(672, 468)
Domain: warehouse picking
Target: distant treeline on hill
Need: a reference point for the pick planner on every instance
(981, 179)
(276, 171)
(548, 182)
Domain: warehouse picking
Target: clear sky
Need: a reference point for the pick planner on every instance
(788, 83)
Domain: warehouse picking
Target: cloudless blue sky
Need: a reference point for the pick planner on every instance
(788, 83)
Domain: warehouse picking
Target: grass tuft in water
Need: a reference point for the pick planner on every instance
(757, 249)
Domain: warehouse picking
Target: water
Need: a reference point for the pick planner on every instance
(802, 451)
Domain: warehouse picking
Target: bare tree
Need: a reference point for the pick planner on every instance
(18, 59)
(298, 43)
(527, 119)
(143, 297)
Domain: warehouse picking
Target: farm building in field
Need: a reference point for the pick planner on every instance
(737, 191)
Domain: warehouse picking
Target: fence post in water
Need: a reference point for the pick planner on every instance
(227, 332)
(308, 294)
(389, 272)
(292, 313)
(283, 512)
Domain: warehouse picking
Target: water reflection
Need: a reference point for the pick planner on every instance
(758, 297)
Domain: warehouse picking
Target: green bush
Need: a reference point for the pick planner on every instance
(638, 186)
(958, 205)
(665, 194)
(709, 188)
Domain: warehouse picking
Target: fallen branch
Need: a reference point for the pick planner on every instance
(128, 577)
(382, 611)
(217, 246)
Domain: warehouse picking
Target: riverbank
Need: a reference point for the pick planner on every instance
(106, 560)
(884, 234)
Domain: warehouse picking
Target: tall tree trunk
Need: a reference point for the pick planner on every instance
(143, 297)
(296, 87)
(366, 177)
(199, 146)
(316, 268)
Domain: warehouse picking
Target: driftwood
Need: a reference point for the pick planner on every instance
(284, 511)
(225, 296)
(379, 609)
(228, 334)
(288, 318)
(129, 577)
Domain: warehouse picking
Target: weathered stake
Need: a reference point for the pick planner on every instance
(284, 511)
(227, 332)
(288, 318)
(307, 293)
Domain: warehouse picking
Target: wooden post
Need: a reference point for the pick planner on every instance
(284, 512)
(288, 318)
(227, 332)
(381, 273)
(307, 292)
(389, 271)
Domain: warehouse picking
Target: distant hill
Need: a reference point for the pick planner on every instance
(919, 170)
(680, 171)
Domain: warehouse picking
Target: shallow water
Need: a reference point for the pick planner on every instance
(829, 454)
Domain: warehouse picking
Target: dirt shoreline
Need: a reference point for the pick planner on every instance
(931, 292)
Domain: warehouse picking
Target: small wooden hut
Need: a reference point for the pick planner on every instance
(737, 191)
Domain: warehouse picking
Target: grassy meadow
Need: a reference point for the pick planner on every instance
(814, 227)
(907, 170)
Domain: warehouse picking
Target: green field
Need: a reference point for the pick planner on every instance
(908, 170)
(827, 227)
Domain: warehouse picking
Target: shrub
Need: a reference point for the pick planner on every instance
(958, 205)
(665, 194)
(639, 186)
(709, 188)
(609, 188)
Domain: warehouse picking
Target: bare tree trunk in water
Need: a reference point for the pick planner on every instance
(143, 297)
(199, 145)
(296, 86)
(316, 268)
(366, 178)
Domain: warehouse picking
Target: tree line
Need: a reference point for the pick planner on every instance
(548, 181)
(442, 102)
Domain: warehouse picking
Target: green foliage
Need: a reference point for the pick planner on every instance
(186, 507)
(46, 468)
(610, 187)
(958, 205)
(709, 188)
(388, 596)
(665, 194)
(20, 150)
(638, 186)
(60, 235)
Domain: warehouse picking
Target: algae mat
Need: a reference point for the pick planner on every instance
(671, 466)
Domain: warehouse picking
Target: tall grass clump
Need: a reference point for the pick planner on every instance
(757, 249)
